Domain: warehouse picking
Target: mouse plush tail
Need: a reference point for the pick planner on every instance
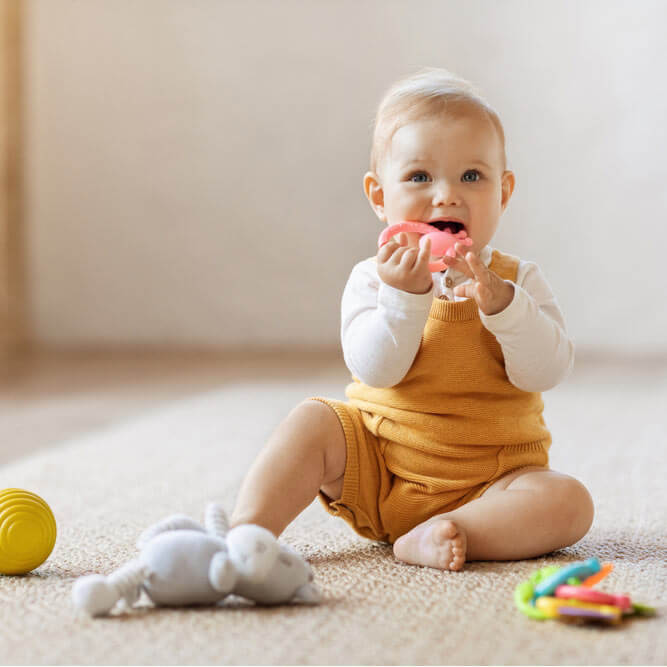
(215, 520)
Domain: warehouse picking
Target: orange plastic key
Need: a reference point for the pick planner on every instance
(598, 576)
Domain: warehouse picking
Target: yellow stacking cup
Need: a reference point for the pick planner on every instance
(27, 531)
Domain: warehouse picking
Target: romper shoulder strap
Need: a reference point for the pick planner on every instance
(505, 265)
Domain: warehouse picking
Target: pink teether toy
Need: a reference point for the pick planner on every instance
(442, 242)
(584, 594)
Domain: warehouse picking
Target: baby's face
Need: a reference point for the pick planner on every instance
(439, 169)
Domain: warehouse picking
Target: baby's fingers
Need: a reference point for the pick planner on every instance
(478, 268)
(399, 253)
(424, 256)
(483, 295)
(409, 258)
(466, 290)
(386, 251)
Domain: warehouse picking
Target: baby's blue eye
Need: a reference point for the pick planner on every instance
(471, 172)
(419, 177)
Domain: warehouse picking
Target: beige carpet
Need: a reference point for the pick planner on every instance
(609, 430)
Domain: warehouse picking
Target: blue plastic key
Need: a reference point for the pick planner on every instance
(579, 570)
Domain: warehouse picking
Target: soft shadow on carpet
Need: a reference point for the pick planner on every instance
(609, 431)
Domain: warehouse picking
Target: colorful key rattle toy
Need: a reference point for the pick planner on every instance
(27, 531)
(567, 593)
(442, 241)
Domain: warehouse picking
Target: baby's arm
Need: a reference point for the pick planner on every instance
(381, 326)
(531, 331)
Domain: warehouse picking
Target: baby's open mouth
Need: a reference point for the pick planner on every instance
(448, 225)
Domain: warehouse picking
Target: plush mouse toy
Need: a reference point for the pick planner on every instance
(182, 563)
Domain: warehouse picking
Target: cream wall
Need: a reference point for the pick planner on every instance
(164, 137)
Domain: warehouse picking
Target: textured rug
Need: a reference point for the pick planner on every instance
(609, 430)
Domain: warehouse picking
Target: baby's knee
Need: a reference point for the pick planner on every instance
(327, 433)
(576, 505)
(319, 426)
(315, 416)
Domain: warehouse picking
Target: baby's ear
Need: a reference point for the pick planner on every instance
(507, 186)
(374, 194)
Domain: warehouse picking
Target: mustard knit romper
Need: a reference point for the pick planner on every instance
(438, 439)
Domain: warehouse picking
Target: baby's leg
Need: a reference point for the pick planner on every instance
(304, 454)
(526, 513)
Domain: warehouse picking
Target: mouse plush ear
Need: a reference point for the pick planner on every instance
(307, 594)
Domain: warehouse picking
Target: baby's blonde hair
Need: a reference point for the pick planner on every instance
(429, 92)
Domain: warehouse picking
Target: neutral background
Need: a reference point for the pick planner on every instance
(193, 169)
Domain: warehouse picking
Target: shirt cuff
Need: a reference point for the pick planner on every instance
(509, 319)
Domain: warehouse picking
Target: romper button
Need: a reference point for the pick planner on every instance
(444, 297)
(449, 282)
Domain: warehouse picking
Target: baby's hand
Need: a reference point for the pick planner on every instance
(490, 291)
(405, 268)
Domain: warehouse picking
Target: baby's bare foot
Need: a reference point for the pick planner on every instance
(437, 543)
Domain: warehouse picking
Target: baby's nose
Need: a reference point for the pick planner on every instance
(445, 195)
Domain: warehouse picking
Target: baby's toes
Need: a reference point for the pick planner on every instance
(444, 531)
(443, 535)
(458, 551)
(451, 542)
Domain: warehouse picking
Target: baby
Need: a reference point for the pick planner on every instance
(441, 448)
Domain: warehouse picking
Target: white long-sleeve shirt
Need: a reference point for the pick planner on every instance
(382, 327)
